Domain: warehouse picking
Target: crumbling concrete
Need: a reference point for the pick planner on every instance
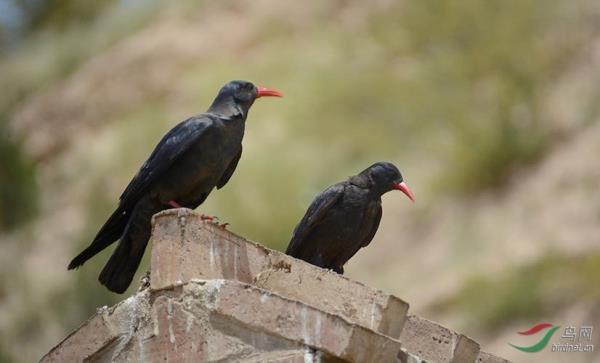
(219, 320)
(216, 297)
(434, 343)
(490, 358)
(185, 247)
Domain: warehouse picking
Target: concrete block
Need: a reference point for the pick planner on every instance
(185, 247)
(434, 343)
(90, 338)
(215, 296)
(297, 322)
(490, 358)
(220, 320)
(103, 334)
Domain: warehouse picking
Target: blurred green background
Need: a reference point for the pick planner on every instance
(490, 109)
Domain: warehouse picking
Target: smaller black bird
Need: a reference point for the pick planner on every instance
(345, 217)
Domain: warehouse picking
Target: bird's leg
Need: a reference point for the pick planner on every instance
(206, 217)
(214, 220)
(174, 204)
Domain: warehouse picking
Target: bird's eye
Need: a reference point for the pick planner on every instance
(244, 93)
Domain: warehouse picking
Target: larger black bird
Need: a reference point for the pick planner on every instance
(344, 217)
(193, 158)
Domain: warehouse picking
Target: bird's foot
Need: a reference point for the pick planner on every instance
(339, 270)
(214, 220)
(174, 204)
(205, 217)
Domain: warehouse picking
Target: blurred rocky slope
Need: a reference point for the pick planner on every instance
(491, 111)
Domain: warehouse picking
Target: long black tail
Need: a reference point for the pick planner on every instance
(120, 269)
(111, 231)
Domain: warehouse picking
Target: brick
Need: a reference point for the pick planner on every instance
(106, 336)
(432, 342)
(220, 320)
(100, 335)
(490, 358)
(465, 350)
(370, 308)
(178, 337)
(215, 296)
(297, 322)
(89, 338)
(295, 356)
(185, 247)
(406, 357)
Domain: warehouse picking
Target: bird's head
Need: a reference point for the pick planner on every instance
(239, 96)
(385, 177)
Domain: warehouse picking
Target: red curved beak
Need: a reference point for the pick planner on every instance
(267, 92)
(405, 189)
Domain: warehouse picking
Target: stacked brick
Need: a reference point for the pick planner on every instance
(214, 296)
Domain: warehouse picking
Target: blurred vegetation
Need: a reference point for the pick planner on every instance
(481, 68)
(57, 14)
(45, 58)
(462, 81)
(526, 293)
(22, 18)
(4, 356)
(18, 188)
(459, 83)
(75, 304)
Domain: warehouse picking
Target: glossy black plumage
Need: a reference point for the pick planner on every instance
(193, 158)
(344, 218)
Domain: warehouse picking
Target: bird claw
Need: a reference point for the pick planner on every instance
(214, 220)
(205, 217)
(219, 224)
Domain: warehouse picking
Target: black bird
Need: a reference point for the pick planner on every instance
(193, 158)
(344, 217)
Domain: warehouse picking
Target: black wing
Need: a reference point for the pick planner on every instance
(230, 169)
(169, 149)
(378, 211)
(314, 215)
